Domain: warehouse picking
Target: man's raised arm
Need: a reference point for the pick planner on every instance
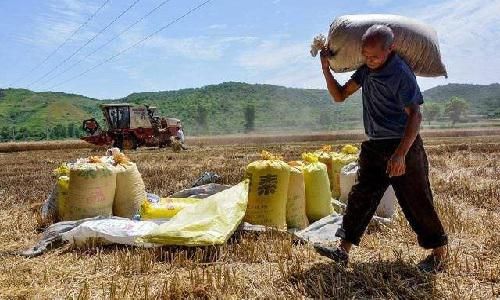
(338, 92)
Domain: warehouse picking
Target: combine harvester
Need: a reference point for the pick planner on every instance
(130, 126)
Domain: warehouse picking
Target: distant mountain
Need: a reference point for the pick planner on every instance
(483, 99)
(215, 109)
(276, 107)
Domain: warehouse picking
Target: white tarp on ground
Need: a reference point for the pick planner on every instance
(323, 231)
(110, 231)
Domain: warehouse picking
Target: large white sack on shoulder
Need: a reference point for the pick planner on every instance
(348, 178)
(110, 231)
(416, 42)
(387, 205)
(130, 190)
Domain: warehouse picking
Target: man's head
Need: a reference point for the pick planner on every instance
(377, 43)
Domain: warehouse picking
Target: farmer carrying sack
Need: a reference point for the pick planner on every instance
(415, 42)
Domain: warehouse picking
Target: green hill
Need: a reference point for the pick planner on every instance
(483, 99)
(276, 108)
(215, 109)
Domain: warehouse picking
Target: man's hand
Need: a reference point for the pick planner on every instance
(396, 165)
(325, 65)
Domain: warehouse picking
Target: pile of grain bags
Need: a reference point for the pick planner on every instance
(416, 42)
(99, 186)
(334, 162)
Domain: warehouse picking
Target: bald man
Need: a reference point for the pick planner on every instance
(393, 154)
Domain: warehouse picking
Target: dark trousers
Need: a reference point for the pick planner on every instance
(412, 190)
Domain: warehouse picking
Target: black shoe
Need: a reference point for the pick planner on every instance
(334, 253)
(432, 264)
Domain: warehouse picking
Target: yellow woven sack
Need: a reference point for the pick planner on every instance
(296, 199)
(317, 186)
(91, 191)
(62, 194)
(130, 190)
(268, 192)
(210, 222)
(326, 158)
(166, 208)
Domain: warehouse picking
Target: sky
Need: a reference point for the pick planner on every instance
(64, 45)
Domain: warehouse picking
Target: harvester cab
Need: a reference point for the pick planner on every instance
(130, 126)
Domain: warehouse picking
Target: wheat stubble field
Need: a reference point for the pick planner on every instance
(465, 179)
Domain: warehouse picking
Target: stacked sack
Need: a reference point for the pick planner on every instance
(130, 189)
(334, 162)
(296, 198)
(317, 186)
(268, 191)
(99, 186)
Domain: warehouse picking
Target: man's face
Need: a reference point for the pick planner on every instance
(375, 55)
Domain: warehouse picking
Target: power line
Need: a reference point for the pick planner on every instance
(110, 41)
(61, 45)
(134, 45)
(84, 45)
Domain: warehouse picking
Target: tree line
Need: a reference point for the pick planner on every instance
(55, 132)
(455, 110)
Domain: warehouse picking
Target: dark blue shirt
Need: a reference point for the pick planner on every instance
(386, 92)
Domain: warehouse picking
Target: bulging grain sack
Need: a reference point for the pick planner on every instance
(387, 205)
(348, 177)
(91, 191)
(416, 42)
(296, 198)
(317, 186)
(130, 190)
(268, 191)
(325, 156)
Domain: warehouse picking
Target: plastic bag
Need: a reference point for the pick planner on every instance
(210, 222)
(416, 42)
(166, 208)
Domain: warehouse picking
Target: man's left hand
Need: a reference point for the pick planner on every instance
(396, 165)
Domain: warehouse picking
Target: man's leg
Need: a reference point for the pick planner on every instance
(415, 198)
(362, 201)
(366, 194)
